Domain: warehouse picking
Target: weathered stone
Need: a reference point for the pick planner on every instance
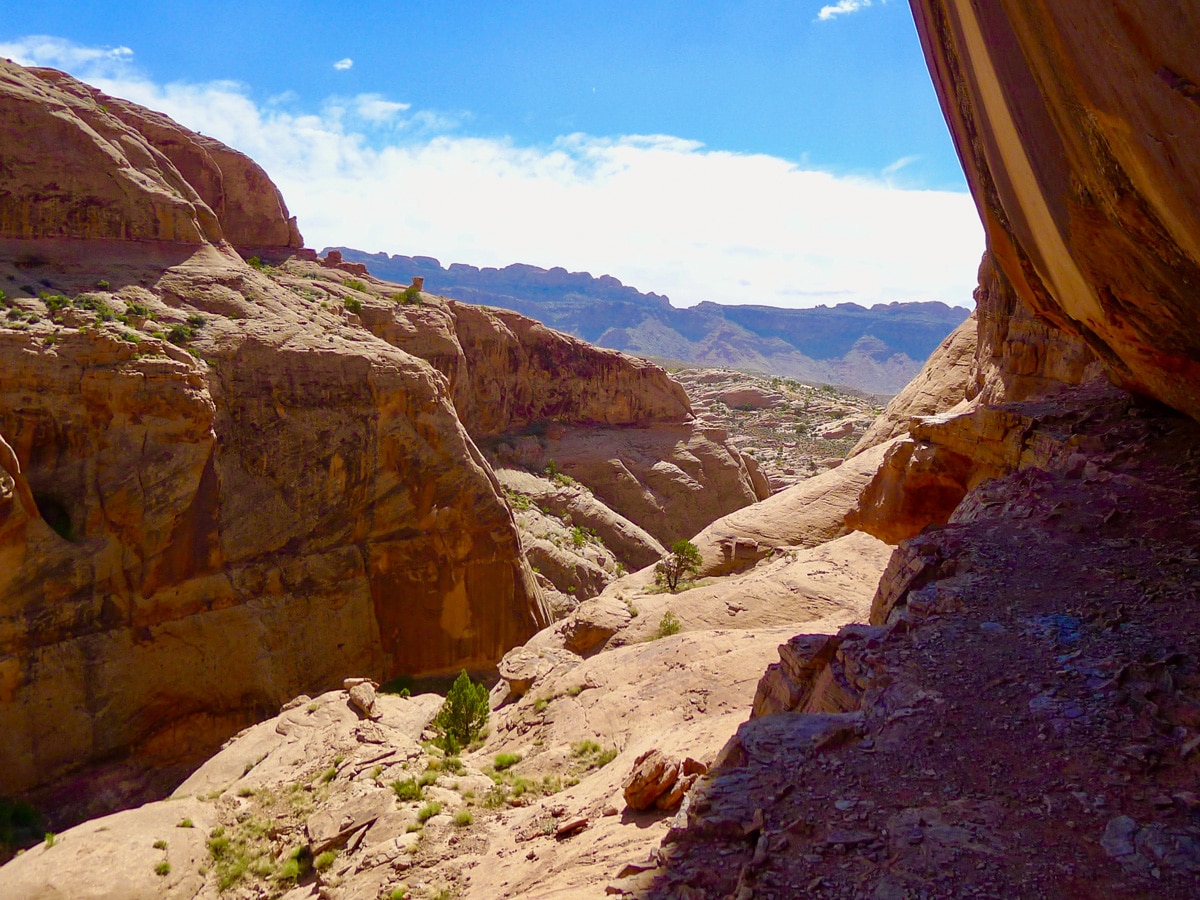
(362, 697)
(652, 776)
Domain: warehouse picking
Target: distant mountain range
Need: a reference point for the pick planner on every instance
(878, 349)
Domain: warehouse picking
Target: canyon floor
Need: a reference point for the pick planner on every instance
(1022, 720)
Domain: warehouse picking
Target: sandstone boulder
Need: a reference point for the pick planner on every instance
(660, 781)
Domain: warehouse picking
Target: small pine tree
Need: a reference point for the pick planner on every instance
(463, 715)
(683, 560)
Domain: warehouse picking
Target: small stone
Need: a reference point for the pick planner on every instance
(1118, 836)
(570, 826)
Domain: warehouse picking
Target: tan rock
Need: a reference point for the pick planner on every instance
(81, 164)
(807, 514)
(652, 776)
(942, 383)
(362, 697)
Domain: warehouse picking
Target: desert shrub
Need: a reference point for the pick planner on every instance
(506, 761)
(324, 860)
(463, 818)
(255, 263)
(464, 714)
(354, 284)
(683, 560)
(428, 811)
(409, 295)
(667, 625)
(407, 790)
(354, 305)
(163, 868)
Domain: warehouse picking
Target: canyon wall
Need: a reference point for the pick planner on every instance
(219, 494)
(1078, 126)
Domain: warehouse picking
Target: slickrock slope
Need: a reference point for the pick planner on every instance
(82, 164)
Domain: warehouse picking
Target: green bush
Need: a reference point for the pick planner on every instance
(409, 295)
(667, 625)
(464, 714)
(354, 284)
(428, 811)
(354, 305)
(407, 790)
(463, 818)
(324, 860)
(163, 868)
(683, 560)
(506, 761)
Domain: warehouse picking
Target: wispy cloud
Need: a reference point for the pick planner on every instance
(55, 52)
(343, 64)
(901, 163)
(374, 108)
(659, 212)
(842, 7)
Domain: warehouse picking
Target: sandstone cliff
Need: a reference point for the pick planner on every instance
(81, 164)
(224, 484)
(1077, 126)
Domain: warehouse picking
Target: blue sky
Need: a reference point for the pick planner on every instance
(759, 151)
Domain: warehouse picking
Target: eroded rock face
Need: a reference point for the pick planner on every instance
(190, 537)
(1077, 126)
(81, 164)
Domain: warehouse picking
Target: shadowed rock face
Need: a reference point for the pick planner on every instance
(1078, 126)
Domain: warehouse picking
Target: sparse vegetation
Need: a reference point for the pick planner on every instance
(355, 285)
(562, 479)
(354, 305)
(163, 868)
(463, 818)
(683, 560)
(324, 860)
(160, 844)
(668, 625)
(463, 716)
(428, 811)
(409, 295)
(184, 823)
(592, 755)
(505, 761)
(407, 790)
(255, 263)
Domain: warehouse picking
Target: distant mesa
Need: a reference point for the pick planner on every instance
(877, 349)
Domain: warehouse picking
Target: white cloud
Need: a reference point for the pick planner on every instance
(343, 64)
(842, 7)
(55, 52)
(375, 108)
(659, 212)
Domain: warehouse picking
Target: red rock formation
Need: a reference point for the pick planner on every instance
(1077, 126)
(100, 167)
(190, 537)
